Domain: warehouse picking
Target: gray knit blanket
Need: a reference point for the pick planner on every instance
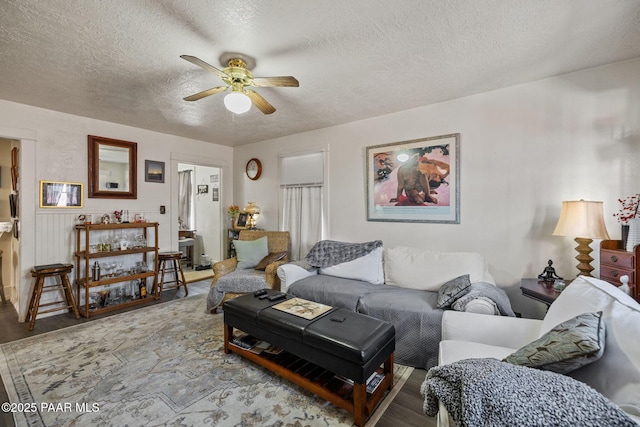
(326, 253)
(491, 293)
(488, 392)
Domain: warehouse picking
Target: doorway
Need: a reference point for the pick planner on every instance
(7, 245)
(200, 210)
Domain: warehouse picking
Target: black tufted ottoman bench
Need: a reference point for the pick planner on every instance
(351, 345)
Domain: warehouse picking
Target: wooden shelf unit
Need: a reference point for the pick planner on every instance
(85, 258)
(615, 262)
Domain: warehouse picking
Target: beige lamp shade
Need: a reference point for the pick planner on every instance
(581, 219)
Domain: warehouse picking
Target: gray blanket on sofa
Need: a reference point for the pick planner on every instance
(491, 293)
(326, 253)
(412, 312)
(488, 392)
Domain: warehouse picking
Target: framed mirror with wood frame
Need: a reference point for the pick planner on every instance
(113, 168)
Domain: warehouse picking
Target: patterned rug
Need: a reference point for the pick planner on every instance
(161, 365)
(191, 276)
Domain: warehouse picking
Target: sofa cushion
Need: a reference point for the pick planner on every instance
(276, 256)
(367, 268)
(452, 290)
(570, 345)
(250, 252)
(422, 269)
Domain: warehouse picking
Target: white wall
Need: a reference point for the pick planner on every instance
(59, 153)
(524, 150)
(208, 214)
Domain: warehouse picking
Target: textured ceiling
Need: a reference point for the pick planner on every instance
(119, 60)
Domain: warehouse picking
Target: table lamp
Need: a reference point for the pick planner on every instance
(252, 210)
(584, 221)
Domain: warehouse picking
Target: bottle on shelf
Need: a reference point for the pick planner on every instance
(142, 286)
(95, 272)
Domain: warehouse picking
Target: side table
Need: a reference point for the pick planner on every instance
(538, 290)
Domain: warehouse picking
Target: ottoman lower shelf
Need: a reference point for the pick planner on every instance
(351, 397)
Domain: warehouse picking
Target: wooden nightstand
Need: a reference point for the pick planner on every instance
(538, 290)
(616, 262)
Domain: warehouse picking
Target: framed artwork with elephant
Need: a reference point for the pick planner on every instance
(414, 181)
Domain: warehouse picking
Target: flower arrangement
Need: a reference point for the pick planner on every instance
(629, 209)
(233, 210)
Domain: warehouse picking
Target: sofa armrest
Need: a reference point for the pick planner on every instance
(502, 331)
(290, 273)
(271, 275)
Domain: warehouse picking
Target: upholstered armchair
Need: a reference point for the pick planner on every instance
(238, 275)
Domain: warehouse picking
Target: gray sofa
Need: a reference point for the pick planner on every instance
(403, 291)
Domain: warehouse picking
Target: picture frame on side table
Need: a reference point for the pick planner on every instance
(241, 220)
(56, 194)
(153, 171)
(414, 181)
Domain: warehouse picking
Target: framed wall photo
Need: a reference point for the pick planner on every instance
(13, 205)
(414, 181)
(54, 194)
(203, 189)
(153, 171)
(241, 220)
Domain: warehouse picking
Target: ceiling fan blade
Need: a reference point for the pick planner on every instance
(279, 81)
(260, 103)
(200, 63)
(205, 93)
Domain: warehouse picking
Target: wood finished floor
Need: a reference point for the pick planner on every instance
(405, 410)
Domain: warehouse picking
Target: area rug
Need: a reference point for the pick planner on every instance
(191, 276)
(161, 365)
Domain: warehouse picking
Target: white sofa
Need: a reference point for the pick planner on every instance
(616, 375)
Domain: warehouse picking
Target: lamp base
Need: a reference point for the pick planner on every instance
(584, 259)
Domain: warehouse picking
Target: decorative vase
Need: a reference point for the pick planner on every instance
(624, 235)
(633, 238)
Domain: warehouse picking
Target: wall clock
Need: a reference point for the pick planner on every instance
(254, 169)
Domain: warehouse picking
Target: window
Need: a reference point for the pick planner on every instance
(302, 182)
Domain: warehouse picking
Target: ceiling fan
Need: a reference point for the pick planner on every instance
(238, 77)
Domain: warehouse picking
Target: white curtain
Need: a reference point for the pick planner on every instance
(184, 199)
(302, 217)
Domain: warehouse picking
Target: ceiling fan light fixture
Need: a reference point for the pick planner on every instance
(237, 102)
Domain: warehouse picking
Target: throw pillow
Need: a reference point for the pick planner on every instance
(569, 346)
(452, 290)
(276, 256)
(250, 252)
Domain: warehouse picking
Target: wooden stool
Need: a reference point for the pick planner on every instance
(169, 262)
(41, 272)
(4, 300)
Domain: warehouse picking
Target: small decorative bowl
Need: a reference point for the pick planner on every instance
(559, 285)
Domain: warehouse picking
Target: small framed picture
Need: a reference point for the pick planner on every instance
(55, 194)
(241, 220)
(153, 171)
(203, 189)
